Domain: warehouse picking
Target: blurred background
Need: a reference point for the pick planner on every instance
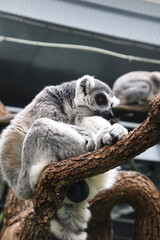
(104, 37)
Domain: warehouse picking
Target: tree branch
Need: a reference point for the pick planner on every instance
(136, 190)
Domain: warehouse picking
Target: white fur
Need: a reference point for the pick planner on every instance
(119, 130)
(105, 135)
(102, 181)
(93, 123)
(115, 101)
(36, 171)
(59, 231)
(43, 157)
(74, 218)
(65, 128)
(79, 95)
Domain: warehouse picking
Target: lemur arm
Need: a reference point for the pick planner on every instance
(92, 123)
(104, 131)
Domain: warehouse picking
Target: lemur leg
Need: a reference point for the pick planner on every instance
(48, 141)
(105, 134)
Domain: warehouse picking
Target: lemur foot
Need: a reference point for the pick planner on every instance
(90, 144)
(78, 192)
(110, 135)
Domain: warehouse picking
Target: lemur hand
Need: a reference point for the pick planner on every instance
(110, 135)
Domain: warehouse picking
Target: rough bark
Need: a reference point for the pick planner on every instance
(56, 178)
(14, 209)
(136, 190)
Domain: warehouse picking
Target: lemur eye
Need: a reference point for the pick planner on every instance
(101, 99)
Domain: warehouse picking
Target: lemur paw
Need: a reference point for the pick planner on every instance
(117, 132)
(78, 192)
(110, 135)
(90, 144)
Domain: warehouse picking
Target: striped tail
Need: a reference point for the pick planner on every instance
(70, 221)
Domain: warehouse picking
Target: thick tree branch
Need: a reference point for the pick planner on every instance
(139, 192)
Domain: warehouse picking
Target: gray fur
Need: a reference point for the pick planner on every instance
(137, 87)
(45, 132)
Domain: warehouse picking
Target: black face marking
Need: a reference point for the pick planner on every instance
(84, 90)
(101, 99)
(108, 114)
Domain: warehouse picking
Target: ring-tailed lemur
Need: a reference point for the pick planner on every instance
(137, 87)
(61, 122)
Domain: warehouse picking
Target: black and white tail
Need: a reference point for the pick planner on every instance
(70, 221)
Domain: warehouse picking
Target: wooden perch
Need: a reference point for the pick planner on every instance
(3, 110)
(122, 109)
(56, 178)
(136, 190)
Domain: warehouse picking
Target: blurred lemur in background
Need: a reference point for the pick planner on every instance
(61, 122)
(137, 87)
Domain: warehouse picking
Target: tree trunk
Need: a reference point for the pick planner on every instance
(56, 178)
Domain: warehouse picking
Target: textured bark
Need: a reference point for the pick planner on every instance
(14, 211)
(56, 178)
(136, 190)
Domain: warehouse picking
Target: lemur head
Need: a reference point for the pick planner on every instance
(93, 97)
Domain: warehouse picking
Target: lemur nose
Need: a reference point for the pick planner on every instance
(110, 114)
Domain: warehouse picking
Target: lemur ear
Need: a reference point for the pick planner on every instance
(49, 90)
(115, 101)
(155, 77)
(86, 83)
